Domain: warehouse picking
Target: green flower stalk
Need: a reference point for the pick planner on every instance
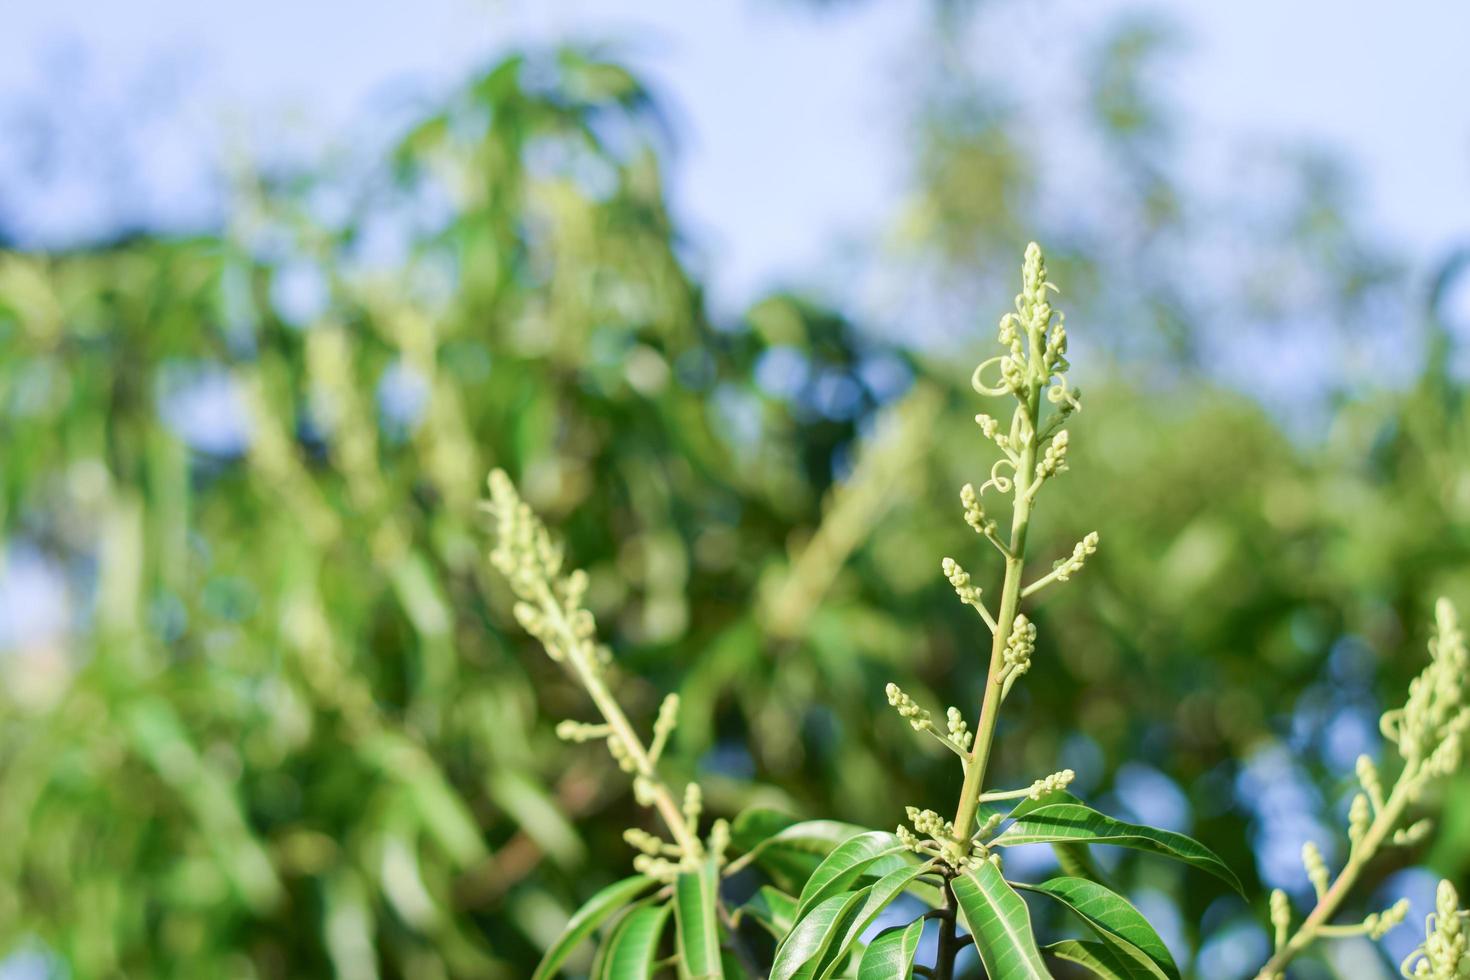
(1429, 732)
(551, 609)
(1032, 371)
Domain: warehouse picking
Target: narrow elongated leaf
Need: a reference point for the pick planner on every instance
(1000, 922)
(773, 909)
(1071, 822)
(597, 910)
(880, 896)
(1096, 957)
(847, 862)
(697, 923)
(1117, 923)
(799, 954)
(632, 950)
(890, 956)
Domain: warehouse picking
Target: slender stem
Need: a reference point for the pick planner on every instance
(1315, 924)
(1010, 598)
(948, 941)
(591, 679)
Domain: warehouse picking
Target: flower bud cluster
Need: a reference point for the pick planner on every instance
(975, 511)
(907, 707)
(1431, 726)
(990, 428)
(1414, 833)
(1360, 815)
(1445, 954)
(1316, 867)
(1054, 460)
(1073, 563)
(959, 730)
(579, 732)
(1054, 783)
(1020, 644)
(1378, 924)
(960, 579)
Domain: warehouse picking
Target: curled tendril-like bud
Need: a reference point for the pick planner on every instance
(909, 709)
(996, 390)
(1316, 868)
(1443, 954)
(959, 730)
(998, 479)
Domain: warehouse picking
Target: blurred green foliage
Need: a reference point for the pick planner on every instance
(288, 728)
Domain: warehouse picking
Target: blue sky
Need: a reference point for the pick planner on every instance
(790, 120)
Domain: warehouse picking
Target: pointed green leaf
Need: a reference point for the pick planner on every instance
(1096, 957)
(890, 956)
(847, 862)
(1071, 823)
(800, 952)
(1000, 922)
(697, 923)
(773, 909)
(1117, 923)
(632, 950)
(880, 896)
(597, 910)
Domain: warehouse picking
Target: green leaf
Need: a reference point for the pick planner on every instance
(698, 929)
(1117, 923)
(800, 952)
(1000, 922)
(880, 896)
(1071, 822)
(597, 910)
(1096, 957)
(789, 850)
(890, 956)
(847, 862)
(773, 909)
(1076, 861)
(632, 950)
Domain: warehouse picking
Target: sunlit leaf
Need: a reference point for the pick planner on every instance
(890, 956)
(1070, 822)
(697, 920)
(1117, 923)
(597, 910)
(1000, 922)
